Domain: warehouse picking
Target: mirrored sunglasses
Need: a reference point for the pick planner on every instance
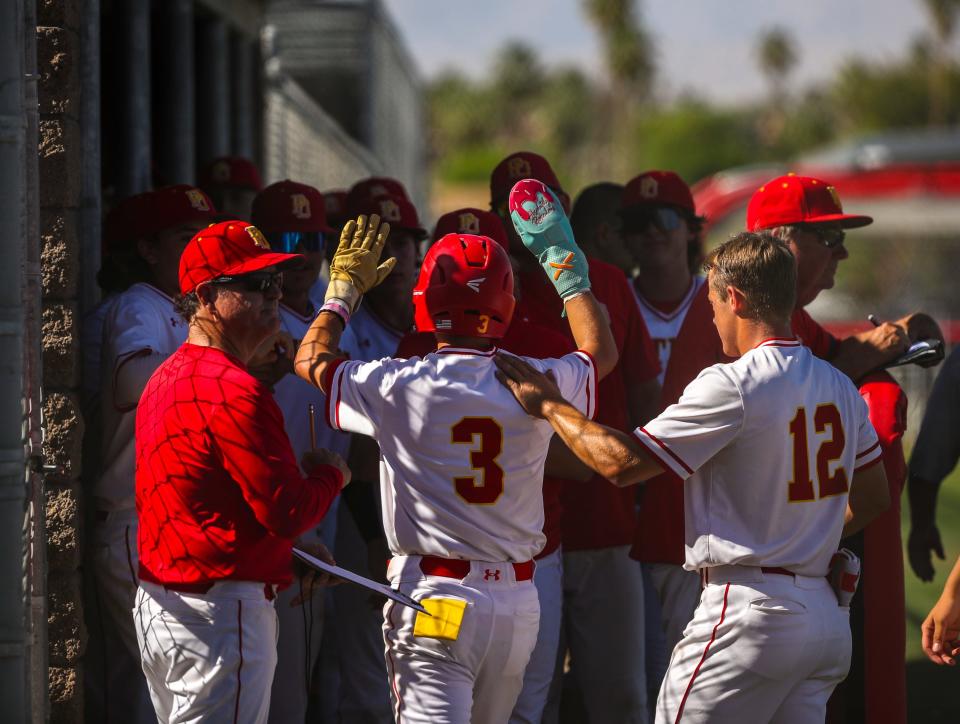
(290, 242)
(663, 218)
(258, 281)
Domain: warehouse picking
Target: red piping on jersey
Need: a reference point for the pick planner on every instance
(869, 450)
(869, 464)
(328, 384)
(393, 668)
(667, 450)
(465, 351)
(703, 658)
(780, 342)
(236, 705)
(591, 395)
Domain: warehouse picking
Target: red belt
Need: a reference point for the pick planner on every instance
(456, 568)
(268, 590)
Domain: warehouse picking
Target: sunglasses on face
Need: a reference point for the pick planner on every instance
(259, 281)
(287, 242)
(663, 218)
(830, 237)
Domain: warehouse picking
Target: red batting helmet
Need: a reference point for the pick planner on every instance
(465, 288)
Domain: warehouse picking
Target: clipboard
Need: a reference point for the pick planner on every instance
(352, 577)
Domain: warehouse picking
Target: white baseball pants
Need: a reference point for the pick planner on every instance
(210, 656)
(476, 678)
(761, 647)
(548, 579)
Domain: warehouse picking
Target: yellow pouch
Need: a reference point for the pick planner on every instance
(446, 615)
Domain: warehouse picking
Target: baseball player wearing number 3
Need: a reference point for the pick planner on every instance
(778, 457)
(462, 464)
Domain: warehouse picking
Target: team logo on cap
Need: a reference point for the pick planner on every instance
(468, 223)
(835, 197)
(221, 172)
(649, 187)
(519, 167)
(197, 200)
(301, 206)
(389, 210)
(257, 237)
(378, 190)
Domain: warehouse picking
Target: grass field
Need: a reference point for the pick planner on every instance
(931, 689)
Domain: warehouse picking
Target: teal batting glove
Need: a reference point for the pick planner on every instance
(543, 227)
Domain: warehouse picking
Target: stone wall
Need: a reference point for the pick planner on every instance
(59, 150)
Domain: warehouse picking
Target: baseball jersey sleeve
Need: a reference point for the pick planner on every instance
(354, 397)
(937, 448)
(130, 333)
(255, 451)
(576, 376)
(869, 450)
(708, 416)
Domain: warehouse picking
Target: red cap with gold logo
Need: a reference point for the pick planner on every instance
(395, 210)
(373, 186)
(231, 172)
(657, 188)
(290, 206)
(229, 248)
(795, 199)
(517, 166)
(142, 215)
(472, 221)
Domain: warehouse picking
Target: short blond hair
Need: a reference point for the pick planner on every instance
(762, 267)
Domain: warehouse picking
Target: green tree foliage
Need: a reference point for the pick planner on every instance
(777, 56)
(943, 16)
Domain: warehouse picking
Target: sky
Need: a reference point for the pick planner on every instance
(704, 46)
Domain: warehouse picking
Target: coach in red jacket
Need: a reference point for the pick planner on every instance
(220, 498)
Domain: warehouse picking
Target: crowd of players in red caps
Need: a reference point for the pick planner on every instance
(614, 596)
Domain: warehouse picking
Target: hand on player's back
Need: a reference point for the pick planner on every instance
(313, 458)
(531, 387)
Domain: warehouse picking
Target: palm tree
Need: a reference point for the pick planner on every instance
(943, 14)
(777, 57)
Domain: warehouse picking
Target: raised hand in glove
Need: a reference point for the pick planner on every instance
(543, 227)
(356, 268)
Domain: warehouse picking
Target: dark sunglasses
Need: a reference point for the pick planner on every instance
(663, 218)
(289, 242)
(830, 237)
(258, 281)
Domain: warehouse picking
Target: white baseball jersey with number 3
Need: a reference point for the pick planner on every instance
(769, 444)
(462, 463)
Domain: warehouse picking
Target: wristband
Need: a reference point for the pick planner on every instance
(338, 307)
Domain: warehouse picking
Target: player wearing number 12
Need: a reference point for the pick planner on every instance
(777, 457)
(462, 463)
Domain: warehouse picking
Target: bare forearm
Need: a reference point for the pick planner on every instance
(318, 348)
(856, 356)
(591, 331)
(611, 453)
(869, 497)
(923, 501)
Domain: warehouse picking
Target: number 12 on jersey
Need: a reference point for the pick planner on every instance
(800, 488)
(483, 458)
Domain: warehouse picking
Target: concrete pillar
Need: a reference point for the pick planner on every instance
(213, 76)
(176, 140)
(243, 56)
(135, 130)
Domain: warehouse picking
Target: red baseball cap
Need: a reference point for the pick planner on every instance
(795, 199)
(517, 166)
(396, 210)
(231, 171)
(657, 188)
(370, 188)
(335, 204)
(142, 215)
(471, 221)
(229, 248)
(290, 206)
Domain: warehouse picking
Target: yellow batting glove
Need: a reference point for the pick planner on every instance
(356, 268)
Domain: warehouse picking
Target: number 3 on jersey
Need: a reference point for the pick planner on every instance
(483, 458)
(800, 489)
